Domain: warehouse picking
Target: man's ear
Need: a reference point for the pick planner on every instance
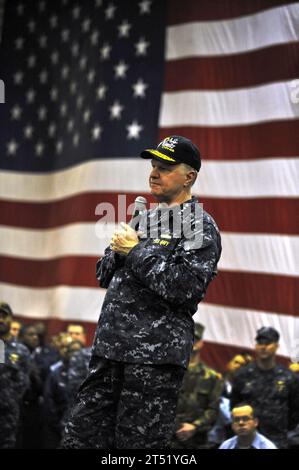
(190, 177)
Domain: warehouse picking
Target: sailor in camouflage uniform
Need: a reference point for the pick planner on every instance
(270, 388)
(198, 404)
(14, 380)
(144, 336)
(78, 370)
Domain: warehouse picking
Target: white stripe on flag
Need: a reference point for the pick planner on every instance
(237, 326)
(263, 103)
(275, 254)
(212, 38)
(226, 325)
(242, 179)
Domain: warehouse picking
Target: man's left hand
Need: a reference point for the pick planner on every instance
(186, 431)
(124, 240)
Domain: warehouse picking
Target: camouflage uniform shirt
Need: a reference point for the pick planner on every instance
(274, 394)
(14, 381)
(153, 293)
(199, 397)
(78, 370)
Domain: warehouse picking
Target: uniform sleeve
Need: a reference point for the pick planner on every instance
(178, 276)
(77, 372)
(294, 403)
(236, 394)
(22, 374)
(51, 413)
(107, 266)
(205, 422)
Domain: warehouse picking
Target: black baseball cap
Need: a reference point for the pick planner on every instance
(175, 149)
(5, 308)
(267, 334)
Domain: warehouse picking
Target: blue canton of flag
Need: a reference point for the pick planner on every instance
(82, 81)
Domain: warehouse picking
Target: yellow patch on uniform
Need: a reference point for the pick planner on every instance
(14, 358)
(280, 385)
(157, 241)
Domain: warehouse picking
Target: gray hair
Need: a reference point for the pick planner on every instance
(189, 168)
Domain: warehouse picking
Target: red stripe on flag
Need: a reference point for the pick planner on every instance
(263, 140)
(257, 291)
(233, 71)
(260, 215)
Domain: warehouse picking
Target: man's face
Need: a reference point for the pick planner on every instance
(243, 422)
(265, 350)
(166, 181)
(77, 333)
(5, 321)
(15, 328)
(63, 346)
(30, 338)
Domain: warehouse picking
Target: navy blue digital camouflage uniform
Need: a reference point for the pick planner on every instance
(78, 370)
(63, 381)
(274, 395)
(14, 381)
(56, 400)
(144, 337)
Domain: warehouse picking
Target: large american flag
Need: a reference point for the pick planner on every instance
(88, 85)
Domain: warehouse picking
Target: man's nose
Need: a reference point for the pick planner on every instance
(154, 173)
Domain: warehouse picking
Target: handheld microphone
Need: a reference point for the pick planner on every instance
(139, 208)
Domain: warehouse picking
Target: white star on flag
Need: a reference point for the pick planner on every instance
(123, 29)
(105, 51)
(19, 42)
(76, 12)
(134, 130)
(28, 131)
(31, 61)
(121, 69)
(139, 88)
(116, 110)
(31, 26)
(96, 132)
(30, 96)
(145, 6)
(39, 149)
(42, 113)
(12, 147)
(109, 12)
(101, 91)
(18, 78)
(141, 47)
(16, 112)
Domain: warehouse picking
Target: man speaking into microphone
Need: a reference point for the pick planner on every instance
(145, 333)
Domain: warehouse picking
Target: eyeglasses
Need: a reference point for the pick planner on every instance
(245, 419)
